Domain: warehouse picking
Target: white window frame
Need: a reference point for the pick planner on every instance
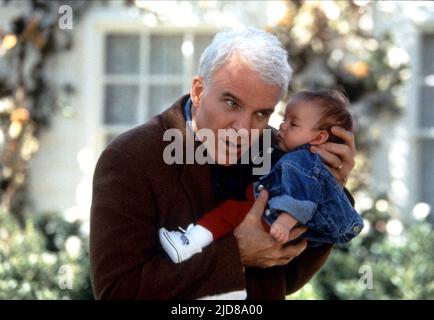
(417, 132)
(98, 24)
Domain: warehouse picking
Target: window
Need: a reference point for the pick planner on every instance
(144, 74)
(425, 132)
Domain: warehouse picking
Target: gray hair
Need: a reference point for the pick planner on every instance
(262, 50)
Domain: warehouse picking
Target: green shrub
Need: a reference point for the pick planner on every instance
(402, 267)
(34, 262)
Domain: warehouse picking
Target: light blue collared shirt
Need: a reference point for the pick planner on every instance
(187, 112)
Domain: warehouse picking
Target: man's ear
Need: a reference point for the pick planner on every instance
(320, 137)
(197, 90)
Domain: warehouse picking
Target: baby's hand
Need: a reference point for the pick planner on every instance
(282, 226)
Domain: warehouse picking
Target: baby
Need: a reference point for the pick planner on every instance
(302, 190)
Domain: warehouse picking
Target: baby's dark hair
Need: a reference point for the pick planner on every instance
(335, 110)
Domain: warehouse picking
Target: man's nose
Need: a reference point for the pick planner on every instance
(243, 122)
(242, 125)
(282, 126)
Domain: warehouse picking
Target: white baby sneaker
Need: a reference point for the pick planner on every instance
(180, 246)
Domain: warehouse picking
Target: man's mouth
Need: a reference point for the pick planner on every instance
(236, 148)
(233, 145)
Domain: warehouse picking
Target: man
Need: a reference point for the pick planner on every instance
(242, 76)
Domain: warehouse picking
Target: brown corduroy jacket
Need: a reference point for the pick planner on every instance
(135, 193)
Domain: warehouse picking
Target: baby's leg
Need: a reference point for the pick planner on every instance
(281, 227)
(222, 220)
(213, 225)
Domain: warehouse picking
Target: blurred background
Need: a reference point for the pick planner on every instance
(75, 74)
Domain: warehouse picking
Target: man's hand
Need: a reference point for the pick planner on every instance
(258, 248)
(338, 157)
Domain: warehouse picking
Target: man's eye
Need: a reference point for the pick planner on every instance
(262, 114)
(231, 103)
(293, 124)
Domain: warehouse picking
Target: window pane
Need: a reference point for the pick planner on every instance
(426, 113)
(428, 54)
(426, 166)
(122, 54)
(200, 43)
(162, 97)
(121, 104)
(166, 54)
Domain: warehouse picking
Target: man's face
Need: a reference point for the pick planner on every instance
(236, 98)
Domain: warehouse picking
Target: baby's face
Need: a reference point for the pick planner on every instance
(298, 126)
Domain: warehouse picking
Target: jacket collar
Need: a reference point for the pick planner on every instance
(195, 179)
(174, 116)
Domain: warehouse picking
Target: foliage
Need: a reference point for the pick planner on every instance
(27, 96)
(401, 266)
(43, 256)
(45, 259)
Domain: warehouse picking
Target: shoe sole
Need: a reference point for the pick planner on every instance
(163, 233)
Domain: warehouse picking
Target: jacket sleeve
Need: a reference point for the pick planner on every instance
(301, 269)
(127, 261)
